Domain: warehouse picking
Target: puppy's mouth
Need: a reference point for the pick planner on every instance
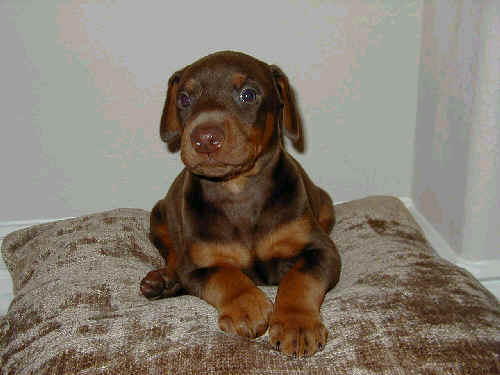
(210, 161)
(211, 167)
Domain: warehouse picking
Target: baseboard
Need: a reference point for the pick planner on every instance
(7, 227)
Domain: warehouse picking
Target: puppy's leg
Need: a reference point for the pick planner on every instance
(243, 308)
(295, 327)
(162, 282)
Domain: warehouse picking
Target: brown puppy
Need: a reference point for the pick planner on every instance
(243, 212)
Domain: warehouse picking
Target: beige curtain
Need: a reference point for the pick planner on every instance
(457, 161)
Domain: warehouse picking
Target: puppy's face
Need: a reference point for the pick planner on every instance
(223, 112)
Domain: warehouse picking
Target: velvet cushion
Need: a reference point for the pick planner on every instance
(398, 308)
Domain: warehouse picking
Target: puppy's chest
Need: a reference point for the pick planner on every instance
(241, 236)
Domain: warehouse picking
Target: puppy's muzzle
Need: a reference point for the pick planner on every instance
(207, 139)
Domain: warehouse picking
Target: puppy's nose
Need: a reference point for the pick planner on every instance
(207, 139)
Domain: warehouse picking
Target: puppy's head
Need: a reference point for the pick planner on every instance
(225, 111)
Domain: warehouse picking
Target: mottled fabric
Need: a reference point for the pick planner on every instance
(398, 308)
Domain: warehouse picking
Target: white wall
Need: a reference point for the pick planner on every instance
(83, 83)
(456, 181)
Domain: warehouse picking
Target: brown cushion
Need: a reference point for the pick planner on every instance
(398, 308)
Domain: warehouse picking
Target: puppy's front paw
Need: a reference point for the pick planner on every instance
(157, 285)
(247, 314)
(297, 333)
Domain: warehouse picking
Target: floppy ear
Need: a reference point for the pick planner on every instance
(290, 118)
(170, 129)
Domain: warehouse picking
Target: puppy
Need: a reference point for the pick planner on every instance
(243, 212)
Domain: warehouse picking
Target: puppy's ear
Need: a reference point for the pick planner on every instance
(290, 117)
(170, 128)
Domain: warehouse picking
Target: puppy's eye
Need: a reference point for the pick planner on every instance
(248, 95)
(184, 100)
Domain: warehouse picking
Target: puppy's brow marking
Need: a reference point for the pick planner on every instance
(190, 85)
(238, 80)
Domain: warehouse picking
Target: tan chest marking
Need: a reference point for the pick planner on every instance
(285, 241)
(210, 254)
